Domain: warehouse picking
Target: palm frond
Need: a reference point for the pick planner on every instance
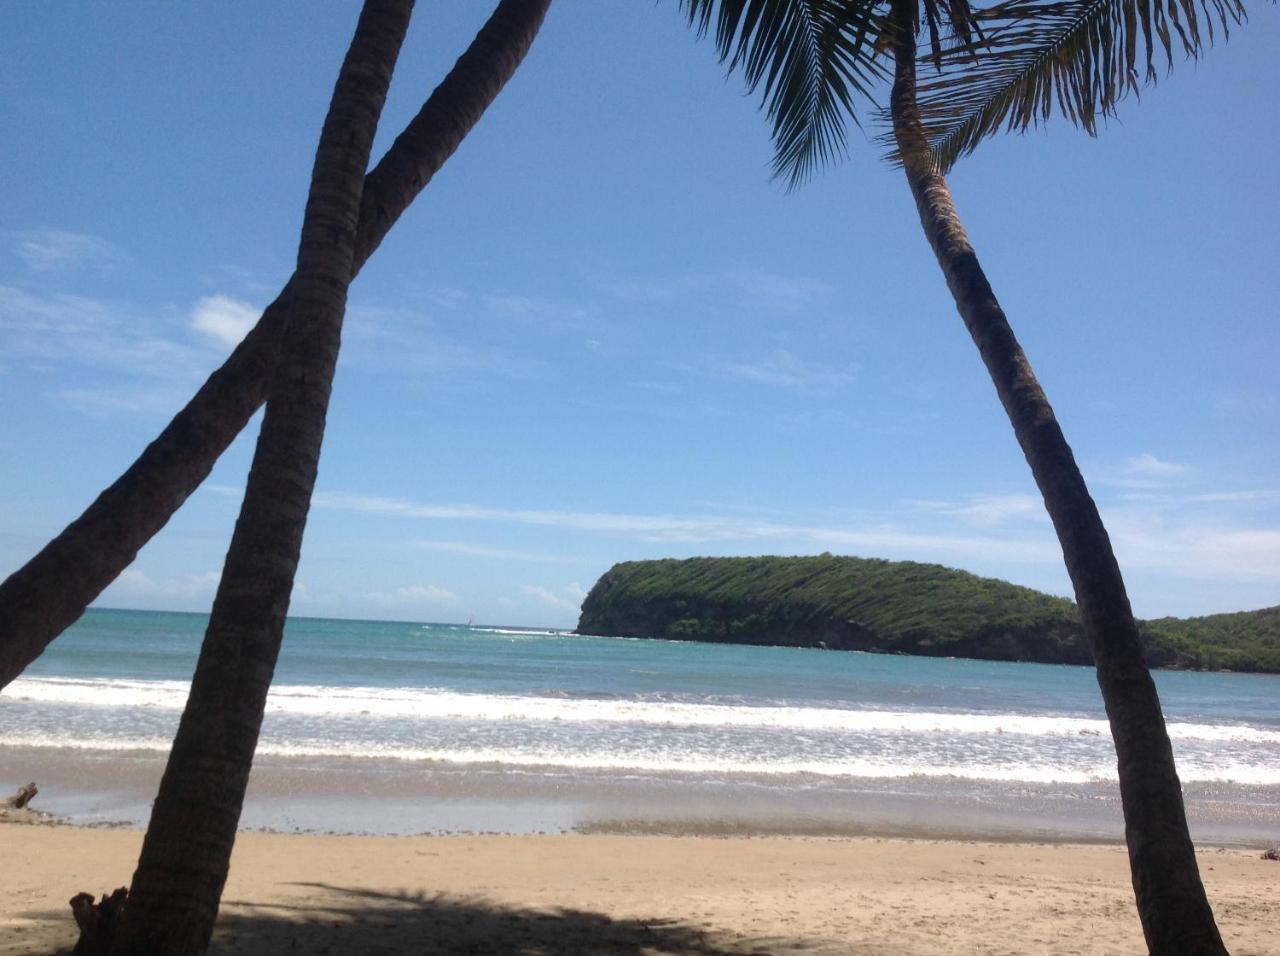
(1085, 55)
(813, 58)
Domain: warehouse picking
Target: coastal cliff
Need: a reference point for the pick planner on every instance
(896, 607)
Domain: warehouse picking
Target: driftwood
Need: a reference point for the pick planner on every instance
(24, 796)
(97, 921)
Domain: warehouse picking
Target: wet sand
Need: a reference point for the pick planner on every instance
(608, 894)
(399, 798)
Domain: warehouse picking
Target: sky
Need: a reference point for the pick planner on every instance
(602, 333)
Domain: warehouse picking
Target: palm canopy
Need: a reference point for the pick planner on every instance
(1003, 66)
(813, 57)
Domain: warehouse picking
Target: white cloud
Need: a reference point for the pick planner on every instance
(223, 319)
(135, 585)
(1009, 538)
(425, 594)
(569, 599)
(1203, 549)
(1147, 465)
(1258, 496)
(988, 510)
(480, 551)
(58, 250)
(701, 529)
(96, 354)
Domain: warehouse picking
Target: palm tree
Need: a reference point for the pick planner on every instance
(1003, 67)
(185, 856)
(45, 596)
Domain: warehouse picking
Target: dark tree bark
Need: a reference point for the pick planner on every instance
(173, 900)
(97, 922)
(1175, 913)
(45, 596)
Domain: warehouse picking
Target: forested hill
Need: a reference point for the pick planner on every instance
(897, 607)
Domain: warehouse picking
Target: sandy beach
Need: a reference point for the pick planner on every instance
(730, 896)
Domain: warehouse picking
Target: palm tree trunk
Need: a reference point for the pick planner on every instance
(174, 898)
(45, 596)
(1175, 914)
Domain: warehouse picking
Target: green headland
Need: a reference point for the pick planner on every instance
(893, 607)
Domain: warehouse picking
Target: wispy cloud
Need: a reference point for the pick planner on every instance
(779, 369)
(78, 331)
(480, 551)
(988, 510)
(226, 491)
(1257, 496)
(824, 419)
(1148, 465)
(136, 585)
(1008, 534)
(660, 527)
(1142, 472)
(109, 401)
(425, 594)
(704, 530)
(223, 320)
(1259, 401)
(569, 598)
(406, 341)
(59, 250)
(1199, 548)
(547, 315)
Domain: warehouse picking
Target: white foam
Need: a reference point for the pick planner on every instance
(518, 631)
(685, 762)
(100, 692)
(429, 704)
(677, 763)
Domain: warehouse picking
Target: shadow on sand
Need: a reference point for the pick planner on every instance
(361, 922)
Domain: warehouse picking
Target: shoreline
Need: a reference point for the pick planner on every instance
(364, 797)
(709, 896)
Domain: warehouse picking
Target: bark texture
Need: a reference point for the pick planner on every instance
(186, 853)
(1175, 913)
(45, 596)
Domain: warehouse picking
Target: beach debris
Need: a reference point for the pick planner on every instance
(97, 921)
(1272, 854)
(24, 796)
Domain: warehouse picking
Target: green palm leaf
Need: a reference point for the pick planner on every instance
(1083, 54)
(813, 58)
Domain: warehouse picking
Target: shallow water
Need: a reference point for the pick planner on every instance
(450, 727)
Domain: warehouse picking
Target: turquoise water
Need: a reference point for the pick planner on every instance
(432, 698)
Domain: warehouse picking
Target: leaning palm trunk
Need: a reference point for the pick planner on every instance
(41, 599)
(1175, 914)
(187, 850)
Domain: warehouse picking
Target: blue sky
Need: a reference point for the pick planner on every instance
(603, 334)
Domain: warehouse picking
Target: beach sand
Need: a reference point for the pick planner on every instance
(637, 894)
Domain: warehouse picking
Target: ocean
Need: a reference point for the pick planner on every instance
(378, 727)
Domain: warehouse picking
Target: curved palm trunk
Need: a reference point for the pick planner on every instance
(41, 599)
(1175, 914)
(187, 850)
